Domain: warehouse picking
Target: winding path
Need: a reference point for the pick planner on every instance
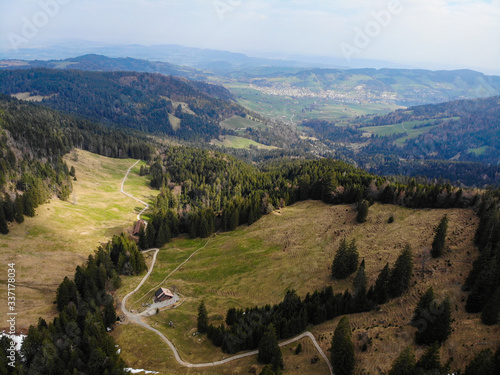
(136, 318)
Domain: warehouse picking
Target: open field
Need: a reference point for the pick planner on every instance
(294, 249)
(49, 246)
(410, 129)
(30, 98)
(240, 123)
(232, 141)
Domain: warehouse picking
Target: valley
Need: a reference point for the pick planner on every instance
(255, 177)
(49, 246)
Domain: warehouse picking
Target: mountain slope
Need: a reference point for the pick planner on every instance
(93, 62)
(135, 100)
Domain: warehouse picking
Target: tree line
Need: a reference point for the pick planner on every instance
(204, 191)
(244, 329)
(77, 341)
(33, 140)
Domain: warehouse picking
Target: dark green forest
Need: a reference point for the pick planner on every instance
(442, 152)
(140, 101)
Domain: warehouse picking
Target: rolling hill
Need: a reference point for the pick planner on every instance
(141, 101)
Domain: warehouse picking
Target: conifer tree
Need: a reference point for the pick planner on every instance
(491, 310)
(401, 273)
(202, 318)
(482, 364)
(440, 238)
(8, 208)
(381, 288)
(66, 293)
(342, 349)
(346, 260)
(433, 320)
(143, 243)
(4, 229)
(362, 208)
(404, 364)
(269, 350)
(430, 362)
(19, 208)
(360, 301)
(151, 235)
(29, 203)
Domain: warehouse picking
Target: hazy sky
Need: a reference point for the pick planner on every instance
(421, 33)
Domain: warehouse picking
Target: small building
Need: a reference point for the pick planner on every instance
(137, 227)
(163, 294)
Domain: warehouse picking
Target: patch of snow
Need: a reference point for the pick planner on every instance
(118, 351)
(134, 371)
(18, 340)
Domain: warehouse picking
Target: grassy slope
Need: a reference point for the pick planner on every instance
(407, 127)
(238, 122)
(49, 246)
(232, 141)
(294, 249)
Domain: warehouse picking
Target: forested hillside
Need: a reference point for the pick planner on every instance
(99, 63)
(147, 102)
(204, 191)
(33, 140)
(458, 141)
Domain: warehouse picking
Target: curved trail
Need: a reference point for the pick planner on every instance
(136, 318)
(130, 195)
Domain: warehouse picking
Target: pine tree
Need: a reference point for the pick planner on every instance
(109, 313)
(202, 318)
(491, 310)
(401, 273)
(381, 288)
(362, 211)
(29, 203)
(4, 229)
(440, 238)
(433, 320)
(404, 364)
(151, 235)
(19, 208)
(8, 208)
(482, 364)
(430, 361)
(66, 293)
(72, 172)
(360, 279)
(143, 243)
(360, 301)
(346, 260)
(269, 350)
(342, 349)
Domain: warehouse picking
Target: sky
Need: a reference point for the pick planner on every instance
(433, 34)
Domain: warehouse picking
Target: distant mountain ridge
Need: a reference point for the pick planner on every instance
(99, 63)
